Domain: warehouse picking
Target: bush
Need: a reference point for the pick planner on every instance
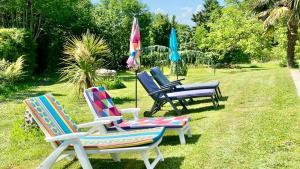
(18, 42)
(112, 84)
(11, 72)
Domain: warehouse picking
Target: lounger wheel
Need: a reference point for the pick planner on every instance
(147, 114)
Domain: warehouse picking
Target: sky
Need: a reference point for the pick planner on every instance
(182, 9)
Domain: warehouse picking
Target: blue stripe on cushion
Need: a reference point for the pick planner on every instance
(55, 115)
(160, 134)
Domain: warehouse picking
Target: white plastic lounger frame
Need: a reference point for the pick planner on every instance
(61, 151)
(135, 112)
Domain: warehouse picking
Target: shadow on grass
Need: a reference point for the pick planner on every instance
(195, 102)
(29, 93)
(11, 91)
(202, 109)
(121, 100)
(194, 110)
(169, 162)
(224, 98)
(233, 71)
(127, 78)
(174, 140)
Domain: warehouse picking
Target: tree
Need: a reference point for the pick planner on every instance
(114, 20)
(236, 36)
(185, 35)
(160, 30)
(83, 57)
(273, 10)
(50, 21)
(203, 16)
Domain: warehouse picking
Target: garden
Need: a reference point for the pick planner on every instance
(226, 81)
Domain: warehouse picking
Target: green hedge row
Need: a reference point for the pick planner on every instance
(15, 42)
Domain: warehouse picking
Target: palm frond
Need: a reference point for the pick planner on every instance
(83, 58)
(277, 14)
(261, 5)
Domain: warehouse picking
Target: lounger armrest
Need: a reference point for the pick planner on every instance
(169, 85)
(94, 123)
(178, 82)
(134, 111)
(110, 118)
(66, 136)
(163, 90)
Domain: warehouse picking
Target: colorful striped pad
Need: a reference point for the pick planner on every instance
(168, 122)
(50, 115)
(122, 139)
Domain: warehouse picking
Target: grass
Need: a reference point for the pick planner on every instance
(256, 126)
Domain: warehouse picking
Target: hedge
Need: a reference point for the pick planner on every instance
(15, 42)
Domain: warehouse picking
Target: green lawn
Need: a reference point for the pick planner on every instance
(256, 126)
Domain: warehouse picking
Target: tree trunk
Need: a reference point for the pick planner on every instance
(89, 82)
(292, 38)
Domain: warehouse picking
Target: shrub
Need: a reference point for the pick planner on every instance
(11, 72)
(18, 42)
(83, 58)
(112, 84)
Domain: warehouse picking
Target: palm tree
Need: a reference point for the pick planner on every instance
(83, 58)
(272, 10)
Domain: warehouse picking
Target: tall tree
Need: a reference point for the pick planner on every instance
(160, 30)
(203, 16)
(273, 10)
(114, 20)
(51, 22)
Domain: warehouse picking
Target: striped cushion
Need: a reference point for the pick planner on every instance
(50, 115)
(168, 122)
(122, 139)
(102, 102)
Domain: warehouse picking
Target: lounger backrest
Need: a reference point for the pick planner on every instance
(100, 102)
(50, 115)
(160, 78)
(148, 83)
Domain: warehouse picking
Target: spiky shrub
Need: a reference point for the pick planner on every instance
(83, 57)
(11, 71)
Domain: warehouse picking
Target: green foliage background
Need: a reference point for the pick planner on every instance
(226, 34)
(15, 43)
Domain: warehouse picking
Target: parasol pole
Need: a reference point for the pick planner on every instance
(177, 70)
(136, 88)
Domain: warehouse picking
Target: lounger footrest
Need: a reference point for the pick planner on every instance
(195, 86)
(190, 94)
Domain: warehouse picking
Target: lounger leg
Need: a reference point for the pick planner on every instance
(50, 160)
(182, 104)
(181, 136)
(146, 160)
(159, 154)
(219, 92)
(158, 158)
(156, 106)
(174, 107)
(115, 157)
(188, 130)
(213, 101)
(82, 156)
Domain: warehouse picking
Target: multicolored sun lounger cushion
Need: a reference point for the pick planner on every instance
(123, 139)
(54, 121)
(103, 106)
(169, 122)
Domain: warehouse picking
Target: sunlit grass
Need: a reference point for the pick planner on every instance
(256, 126)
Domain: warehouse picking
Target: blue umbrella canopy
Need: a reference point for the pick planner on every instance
(174, 56)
